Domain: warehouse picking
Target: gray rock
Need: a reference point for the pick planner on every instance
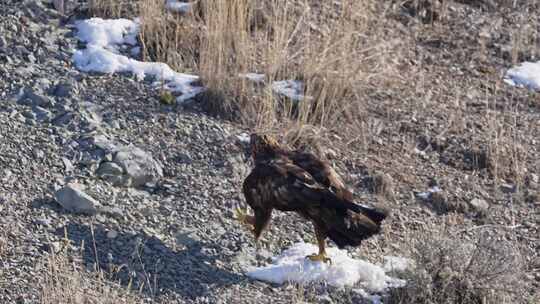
(138, 165)
(112, 211)
(29, 114)
(102, 142)
(63, 118)
(508, 188)
(73, 199)
(38, 153)
(112, 173)
(68, 166)
(479, 205)
(109, 168)
(111, 234)
(43, 221)
(42, 115)
(32, 97)
(64, 89)
(92, 158)
(90, 115)
(187, 237)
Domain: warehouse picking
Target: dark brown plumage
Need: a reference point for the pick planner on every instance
(298, 181)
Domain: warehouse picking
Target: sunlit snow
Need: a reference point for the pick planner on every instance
(177, 6)
(255, 77)
(427, 194)
(292, 266)
(243, 137)
(393, 263)
(103, 40)
(527, 74)
(293, 89)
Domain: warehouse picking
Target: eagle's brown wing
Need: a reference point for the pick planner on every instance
(280, 184)
(322, 172)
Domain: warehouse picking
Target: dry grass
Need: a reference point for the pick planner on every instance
(110, 8)
(450, 269)
(349, 55)
(64, 279)
(338, 51)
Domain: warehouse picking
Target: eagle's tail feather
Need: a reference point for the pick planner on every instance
(351, 226)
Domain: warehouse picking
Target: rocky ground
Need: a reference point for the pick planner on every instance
(158, 217)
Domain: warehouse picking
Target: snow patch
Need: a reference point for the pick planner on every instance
(293, 89)
(244, 138)
(255, 77)
(292, 266)
(427, 194)
(179, 7)
(393, 263)
(104, 38)
(108, 33)
(527, 74)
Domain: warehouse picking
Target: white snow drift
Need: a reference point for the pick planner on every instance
(527, 74)
(292, 266)
(105, 39)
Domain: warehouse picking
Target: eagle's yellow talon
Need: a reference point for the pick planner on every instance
(322, 257)
(242, 216)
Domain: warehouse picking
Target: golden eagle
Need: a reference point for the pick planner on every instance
(298, 181)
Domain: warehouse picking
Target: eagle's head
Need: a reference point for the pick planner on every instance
(263, 146)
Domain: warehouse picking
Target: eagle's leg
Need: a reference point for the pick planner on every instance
(321, 256)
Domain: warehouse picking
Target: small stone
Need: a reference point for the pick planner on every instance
(111, 234)
(68, 166)
(64, 89)
(63, 118)
(479, 205)
(508, 188)
(187, 237)
(138, 165)
(109, 168)
(54, 247)
(264, 255)
(41, 114)
(73, 199)
(37, 153)
(102, 142)
(112, 211)
(112, 173)
(43, 221)
(31, 97)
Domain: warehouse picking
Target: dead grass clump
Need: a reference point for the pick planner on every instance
(452, 270)
(337, 50)
(112, 8)
(65, 280)
(167, 37)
